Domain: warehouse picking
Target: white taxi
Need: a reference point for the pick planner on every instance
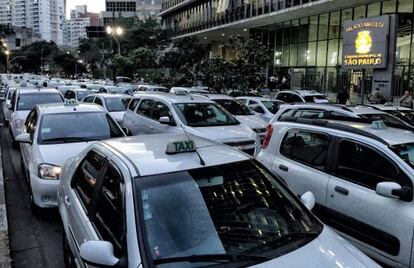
(150, 113)
(114, 104)
(178, 200)
(53, 133)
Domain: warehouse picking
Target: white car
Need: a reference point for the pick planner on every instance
(293, 96)
(53, 133)
(362, 176)
(114, 104)
(24, 100)
(264, 107)
(189, 90)
(403, 113)
(6, 105)
(184, 201)
(195, 114)
(241, 112)
(151, 88)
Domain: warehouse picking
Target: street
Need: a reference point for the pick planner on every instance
(34, 241)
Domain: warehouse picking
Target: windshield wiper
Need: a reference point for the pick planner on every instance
(213, 258)
(283, 240)
(69, 139)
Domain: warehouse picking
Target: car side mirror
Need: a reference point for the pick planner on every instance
(308, 199)
(393, 190)
(165, 120)
(24, 138)
(98, 253)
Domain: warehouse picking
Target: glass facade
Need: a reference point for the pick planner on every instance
(308, 50)
(184, 16)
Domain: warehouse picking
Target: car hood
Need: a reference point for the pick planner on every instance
(327, 250)
(251, 121)
(57, 154)
(118, 116)
(224, 133)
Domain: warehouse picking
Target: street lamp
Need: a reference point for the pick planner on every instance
(115, 31)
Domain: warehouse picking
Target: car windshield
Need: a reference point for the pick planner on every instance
(116, 104)
(204, 115)
(406, 116)
(77, 127)
(316, 98)
(82, 94)
(29, 101)
(384, 117)
(233, 209)
(405, 152)
(235, 107)
(272, 106)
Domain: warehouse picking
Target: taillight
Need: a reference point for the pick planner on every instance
(268, 136)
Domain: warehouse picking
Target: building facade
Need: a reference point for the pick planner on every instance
(44, 17)
(130, 9)
(74, 30)
(303, 37)
(17, 37)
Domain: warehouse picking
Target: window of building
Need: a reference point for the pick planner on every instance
(389, 7)
(306, 147)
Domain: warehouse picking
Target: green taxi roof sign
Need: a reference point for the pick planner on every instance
(181, 146)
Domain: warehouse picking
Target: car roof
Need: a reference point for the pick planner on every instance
(322, 106)
(148, 153)
(362, 109)
(392, 136)
(255, 98)
(173, 98)
(111, 96)
(303, 92)
(219, 97)
(54, 108)
(151, 86)
(37, 90)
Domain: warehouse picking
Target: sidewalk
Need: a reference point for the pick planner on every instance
(5, 261)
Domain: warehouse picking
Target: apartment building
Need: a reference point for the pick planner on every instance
(130, 9)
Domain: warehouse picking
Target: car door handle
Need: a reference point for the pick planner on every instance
(67, 201)
(341, 190)
(284, 168)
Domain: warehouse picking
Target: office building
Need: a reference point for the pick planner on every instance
(304, 37)
(140, 9)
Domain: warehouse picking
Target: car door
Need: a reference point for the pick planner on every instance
(130, 116)
(302, 161)
(78, 198)
(145, 124)
(107, 214)
(26, 148)
(380, 224)
(162, 110)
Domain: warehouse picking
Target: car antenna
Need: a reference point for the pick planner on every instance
(196, 149)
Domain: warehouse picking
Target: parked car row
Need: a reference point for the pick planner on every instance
(209, 179)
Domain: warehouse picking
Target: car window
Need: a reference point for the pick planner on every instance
(287, 113)
(98, 101)
(85, 176)
(235, 107)
(133, 104)
(293, 98)
(258, 109)
(160, 110)
(108, 218)
(89, 99)
(145, 107)
(82, 94)
(115, 104)
(31, 121)
(272, 106)
(281, 96)
(204, 115)
(364, 166)
(310, 114)
(29, 101)
(306, 147)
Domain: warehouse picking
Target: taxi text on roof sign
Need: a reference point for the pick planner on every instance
(365, 43)
(184, 146)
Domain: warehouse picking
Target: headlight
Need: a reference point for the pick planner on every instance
(49, 172)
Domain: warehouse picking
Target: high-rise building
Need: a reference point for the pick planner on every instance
(130, 9)
(44, 17)
(74, 30)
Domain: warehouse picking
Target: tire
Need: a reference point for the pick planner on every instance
(68, 258)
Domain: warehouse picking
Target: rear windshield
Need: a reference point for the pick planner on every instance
(272, 106)
(27, 102)
(116, 104)
(235, 107)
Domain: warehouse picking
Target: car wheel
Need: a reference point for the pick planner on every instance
(36, 210)
(69, 260)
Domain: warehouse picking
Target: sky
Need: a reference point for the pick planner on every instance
(93, 5)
